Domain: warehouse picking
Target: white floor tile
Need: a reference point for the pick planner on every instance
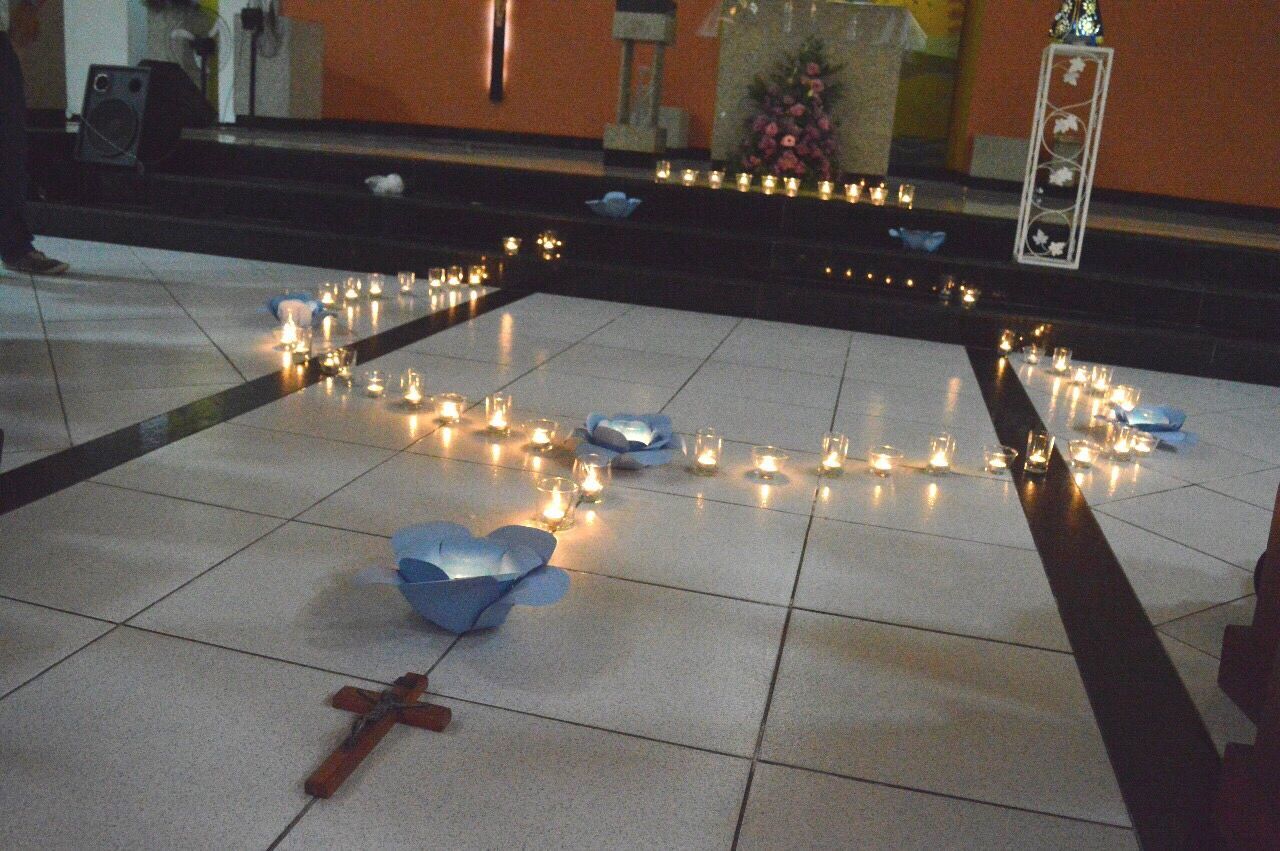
(1199, 672)
(624, 365)
(268, 472)
(84, 299)
(107, 552)
(1259, 489)
(790, 808)
(32, 638)
(996, 723)
(672, 665)
(1201, 519)
(141, 741)
(929, 582)
(777, 345)
(577, 396)
(289, 596)
(1204, 629)
(513, 781)
(786, 387)
(750, 420)
(95, 413)
(658, 330)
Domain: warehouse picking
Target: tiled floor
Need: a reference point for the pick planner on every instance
(812, 662)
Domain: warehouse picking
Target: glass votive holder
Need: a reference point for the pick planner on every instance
(883, 460)
(689, 177)
(877, 194)
(835, 450)
(1008, 340)
(449, 407)
(454, 276)
(411, 388)
(1083, 453)
(715, 178)
(542, 435)
(497, 413)
(376, 285)
(662, 171)
(707, 448)
(436, 277)
(1031, 353)
(1039, 451)
(1100, 380)
(351, 291)
(853, 192)
(406, 280)
(1144, 443)
(337, 363)
(1080, 375)
(548, 240)
(769, 183)
(969, 296)
(287, 335)
(1120, 442)
(998, 459)
(744, 181)
(591, 472)
(942, 450)
(476, 275)
(375, 383)
(767, 461)
(826, 188)
(1125, 397)
(792, 185)
(328, 295)
(302, 346)
(1061, 360)
(511, 245)
(906, 195)
(557, 500)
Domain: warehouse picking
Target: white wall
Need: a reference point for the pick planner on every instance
(100, 32)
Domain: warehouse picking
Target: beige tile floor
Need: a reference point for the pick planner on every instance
(839, 661)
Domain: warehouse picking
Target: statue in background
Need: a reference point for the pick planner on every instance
(1078, 22)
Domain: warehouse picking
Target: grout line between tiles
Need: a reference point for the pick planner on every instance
(1102, 510)
(1205, 609)
(49, 668)
(53, 366)
(306, 808)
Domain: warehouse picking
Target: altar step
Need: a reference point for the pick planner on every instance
(799, 260)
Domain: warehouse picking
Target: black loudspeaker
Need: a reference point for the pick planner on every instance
(135, 115)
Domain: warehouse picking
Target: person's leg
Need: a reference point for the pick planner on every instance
(15, 237)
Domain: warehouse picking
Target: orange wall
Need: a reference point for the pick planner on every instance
(1193, 111)
(426, 62)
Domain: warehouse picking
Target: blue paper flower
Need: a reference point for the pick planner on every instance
(920, 240)
(1161, 420)
(629, 441)
(305, 309)
(614, 205)
(461, 582)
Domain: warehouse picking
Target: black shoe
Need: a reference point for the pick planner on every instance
(36, 263)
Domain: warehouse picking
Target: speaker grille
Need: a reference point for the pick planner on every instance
(113, 127)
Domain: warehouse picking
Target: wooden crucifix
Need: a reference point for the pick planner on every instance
(379, 712)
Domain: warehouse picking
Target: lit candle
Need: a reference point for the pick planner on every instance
(449, 407)
(878, 194)
(769, 183)
(413, 396)
(407, 280)
(852, 192)
(689, 177)
(375, 384)
(1007, 341)
(475, 276)
(497, 409)
(559, 498)
(288, 334)
(744, 181)
(998, 458)
(1083, 453)
(1125, 397)
(1080, 376)
(352, 291)
(326, 296)
(436, 277)
(511, 245)
(1100, 380)
(375, 286)
(1031, 353)
(662, 171)
(454, 278)
(768, 461)
(1121, 447)
(969, 296)
(826, 189)
(542, 434)
(942, 448)
(835, 447)
(707, 445)
(1039, 450)
(715, 179)
(882, 460)
(793, 186)
(590, 471)
(1061, 360)
(1143, 443)
(906, 194)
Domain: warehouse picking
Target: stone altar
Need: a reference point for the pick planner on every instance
(868, 39)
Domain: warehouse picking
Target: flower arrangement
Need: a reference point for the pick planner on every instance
(791, 132)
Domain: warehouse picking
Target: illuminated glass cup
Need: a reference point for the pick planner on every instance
(835, 450)
(707, 448)
(406, 280)
(768, 461)
(1039, 451)
(449, 407)
(998, 459)
(591, 472)
(497, 413)
(557, 502)
(883, 460)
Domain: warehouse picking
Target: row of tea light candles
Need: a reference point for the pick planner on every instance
(374, 285)
(770, 184)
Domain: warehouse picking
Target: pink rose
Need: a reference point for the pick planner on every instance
(759, 123)
(824, 123)
(800, 169)
(788, 141)
(817, 86)
(752, 161)
(813, 69)
(771, 129)
(803, 150)
(797, 110)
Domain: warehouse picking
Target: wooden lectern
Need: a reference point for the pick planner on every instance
(1247, 808)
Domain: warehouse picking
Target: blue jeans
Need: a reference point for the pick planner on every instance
(15, 236)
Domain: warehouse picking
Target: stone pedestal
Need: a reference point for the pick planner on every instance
(868, 40)
(290, 82)
(640, 21)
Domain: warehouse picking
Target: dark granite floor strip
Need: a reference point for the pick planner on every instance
(1162, 754)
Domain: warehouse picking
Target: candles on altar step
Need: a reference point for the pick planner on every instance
(744, 181)
(852, 192)
(1008, 340)
(689, 177)
(375, 285)
(715, 179)
(906, 195)
(877, 194)
(769, 183)
(1031, 353)
(826, 188)
(375, 383)
(406, 280)
(497, 413)
(1082, 453)
(792, 185)
(436, 277)
(662, 171)
(511, 245)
